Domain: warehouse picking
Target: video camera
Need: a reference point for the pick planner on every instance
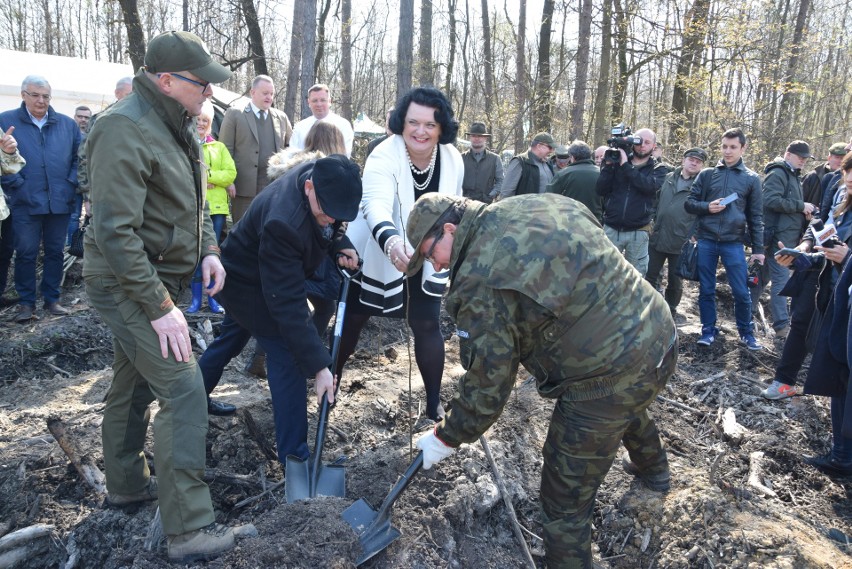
(620, 137)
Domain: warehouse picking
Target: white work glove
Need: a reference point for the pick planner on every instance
(434, 450)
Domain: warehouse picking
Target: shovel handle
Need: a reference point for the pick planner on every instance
(400, 486)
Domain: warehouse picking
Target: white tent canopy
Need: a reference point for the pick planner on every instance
(73, 81)
(365, 127)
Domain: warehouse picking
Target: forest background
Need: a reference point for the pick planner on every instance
(687, 70)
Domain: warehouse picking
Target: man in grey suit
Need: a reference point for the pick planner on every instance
(252, 135)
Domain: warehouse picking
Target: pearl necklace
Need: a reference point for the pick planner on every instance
(430, 169)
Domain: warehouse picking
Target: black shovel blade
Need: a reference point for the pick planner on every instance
(331, 480)
(374, 534)
(360, 515)
(297, 479)
(373, 527)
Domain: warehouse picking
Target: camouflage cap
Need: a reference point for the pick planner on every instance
(421, 221)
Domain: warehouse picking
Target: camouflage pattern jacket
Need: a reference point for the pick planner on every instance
(534, 280)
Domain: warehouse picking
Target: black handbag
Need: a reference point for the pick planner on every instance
(687, 263)
(76, 246)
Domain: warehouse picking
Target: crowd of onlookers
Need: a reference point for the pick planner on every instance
(161, 188)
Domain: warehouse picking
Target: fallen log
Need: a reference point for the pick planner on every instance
(214, 475)
(24, 536)
(84, 464)
(755, 474)
(731, 429)
(19, 545)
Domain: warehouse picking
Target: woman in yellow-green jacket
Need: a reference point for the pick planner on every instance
(221, 173)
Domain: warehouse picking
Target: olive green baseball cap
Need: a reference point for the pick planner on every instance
(838, 149)
(421, 221)
(171, 52)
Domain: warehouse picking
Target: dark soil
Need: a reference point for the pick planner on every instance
(452, 515)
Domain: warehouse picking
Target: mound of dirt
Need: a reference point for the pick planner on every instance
(743, 501)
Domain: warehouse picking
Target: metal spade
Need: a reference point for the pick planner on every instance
(373, 527)
(310, 478)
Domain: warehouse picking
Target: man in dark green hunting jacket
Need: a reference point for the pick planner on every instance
(535, 281)
(150, 229)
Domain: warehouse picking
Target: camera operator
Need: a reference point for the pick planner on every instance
(629, 188)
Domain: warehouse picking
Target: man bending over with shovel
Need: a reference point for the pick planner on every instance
(536, 281)
(280, 241)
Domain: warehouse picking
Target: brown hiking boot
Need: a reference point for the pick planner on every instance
(56, 309)
(25, 313)
(146, 494)
(257, 366)
(202, 544)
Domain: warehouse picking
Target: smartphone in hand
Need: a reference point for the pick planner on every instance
(788, 251)
(729, 199)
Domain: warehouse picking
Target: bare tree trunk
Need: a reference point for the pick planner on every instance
(693, 45)
(425, 74)
(543, 114)
(185, 15)
(451, 62)
(135, 37)
(309, 47)
(255, 37)
(405, 47)
(294, 64)
(460, 108)
(602, 117)
(321, 40)
(621, 39)
(520, 78)
(578, 101)
(489, 66)
(346, 59)
(789, 96)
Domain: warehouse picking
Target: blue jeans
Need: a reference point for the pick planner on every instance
(287, 385)
(74, 219)
(733, 258)
(30, 232)
(218, 224)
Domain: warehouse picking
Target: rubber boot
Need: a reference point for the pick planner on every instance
(195, 305)
(215, 306)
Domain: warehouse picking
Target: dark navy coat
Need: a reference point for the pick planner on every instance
(48, 183)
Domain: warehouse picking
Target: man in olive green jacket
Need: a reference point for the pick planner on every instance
(672, 226)
(536, 281)
(149, 230)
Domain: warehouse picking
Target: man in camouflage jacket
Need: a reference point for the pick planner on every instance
(536, 281)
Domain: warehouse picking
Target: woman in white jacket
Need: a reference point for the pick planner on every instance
(418, 158)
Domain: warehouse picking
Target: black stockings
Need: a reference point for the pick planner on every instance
(428, 352)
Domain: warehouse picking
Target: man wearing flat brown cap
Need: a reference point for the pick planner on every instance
(483, 170)
(531, 171)
(149, 230)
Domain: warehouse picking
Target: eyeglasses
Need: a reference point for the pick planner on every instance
(431, 250)
(44, 98)
(188, 80)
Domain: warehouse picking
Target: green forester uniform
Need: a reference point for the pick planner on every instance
(148, 232)
(536, 281)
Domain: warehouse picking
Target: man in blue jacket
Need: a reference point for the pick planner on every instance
(728, 202)
(41, 195)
